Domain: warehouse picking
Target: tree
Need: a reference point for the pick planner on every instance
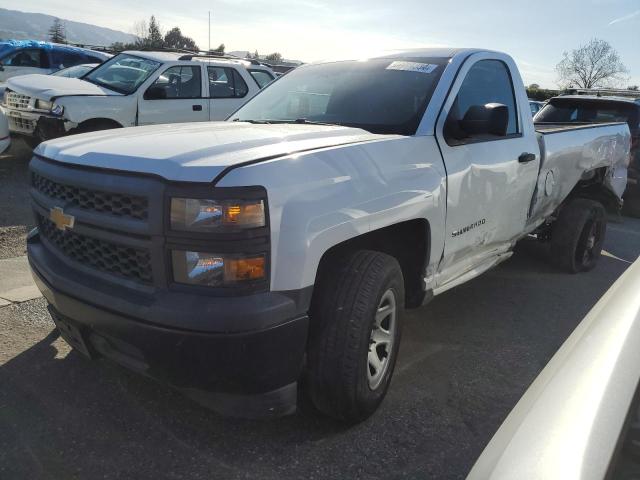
(56, 32)
(219, 50)
(534, 86)
(140, 30)
(274, 58)
(596, 64)
(633, 88)
(154, 39)
(175, 39)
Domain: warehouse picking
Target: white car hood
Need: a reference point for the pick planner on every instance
(195, 152)
(46, 87)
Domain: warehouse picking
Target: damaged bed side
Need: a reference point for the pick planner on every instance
(585, 161)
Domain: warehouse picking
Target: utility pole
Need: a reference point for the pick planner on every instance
(209, 31)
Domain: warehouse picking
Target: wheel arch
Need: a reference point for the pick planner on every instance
(92, 122)
(409, 242)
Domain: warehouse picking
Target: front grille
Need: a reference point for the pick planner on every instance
(117, 204)
(21, 124)
(120, 260)
(17, 100)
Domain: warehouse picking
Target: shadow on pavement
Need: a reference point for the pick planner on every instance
(465, 360)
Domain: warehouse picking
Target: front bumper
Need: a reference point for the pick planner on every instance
(250, 372)
(36, 124)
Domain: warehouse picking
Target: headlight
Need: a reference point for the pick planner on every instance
(216, 270)
(43, 105)
(51, 107)
(202, 215)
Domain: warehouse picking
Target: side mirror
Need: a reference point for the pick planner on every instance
(155, 92)
(489, 119)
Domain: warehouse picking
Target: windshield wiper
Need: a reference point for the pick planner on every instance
(256, 122)
(311, 122)
(302, 121)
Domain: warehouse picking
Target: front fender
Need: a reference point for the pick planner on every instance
(322, 198)
(78, 109)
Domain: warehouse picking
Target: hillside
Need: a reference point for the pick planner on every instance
(24, 25)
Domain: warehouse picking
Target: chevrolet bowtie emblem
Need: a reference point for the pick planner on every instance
(61, 220)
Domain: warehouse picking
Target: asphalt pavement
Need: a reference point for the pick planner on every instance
(465, 360)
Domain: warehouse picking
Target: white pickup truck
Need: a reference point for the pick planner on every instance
(132, 88)
(240, 260)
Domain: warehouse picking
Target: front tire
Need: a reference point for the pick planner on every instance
(578, 235)
(356, 326)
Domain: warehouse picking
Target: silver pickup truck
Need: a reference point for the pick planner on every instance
(241, 260)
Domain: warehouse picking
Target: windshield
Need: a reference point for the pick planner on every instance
(123, 73)
(385, 96)
(587, 111)
(73, 72)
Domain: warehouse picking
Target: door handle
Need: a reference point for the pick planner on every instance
(526, 157)
(197, 108)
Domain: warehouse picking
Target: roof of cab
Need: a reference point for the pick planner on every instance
(441, 52)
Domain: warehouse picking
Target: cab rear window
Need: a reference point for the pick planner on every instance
(585, 111)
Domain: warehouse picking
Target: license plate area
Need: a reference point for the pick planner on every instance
(71, 334)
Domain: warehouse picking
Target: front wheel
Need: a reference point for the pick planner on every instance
(578, 235)
(356, 325)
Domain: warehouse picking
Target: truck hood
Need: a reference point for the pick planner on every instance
(46, 87)
(194, 152)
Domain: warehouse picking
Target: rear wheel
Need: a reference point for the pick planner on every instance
(356, 326)
(578, 235)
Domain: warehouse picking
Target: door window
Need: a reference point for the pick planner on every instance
(24, 58)
(64, 59)
(487, 82)
(262, 77)
(177, 82)
(226, 82)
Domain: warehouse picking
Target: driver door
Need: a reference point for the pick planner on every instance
(489, 182)
(176, 96)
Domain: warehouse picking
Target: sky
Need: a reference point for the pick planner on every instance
(535, 33)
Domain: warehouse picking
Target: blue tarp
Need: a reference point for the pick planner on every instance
(10, 45)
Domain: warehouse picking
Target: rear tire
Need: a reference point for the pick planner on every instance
(356, 319)
(578, 235)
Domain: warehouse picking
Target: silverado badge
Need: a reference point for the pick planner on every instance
(61, 220)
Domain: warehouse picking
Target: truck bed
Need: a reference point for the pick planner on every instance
(568, 153)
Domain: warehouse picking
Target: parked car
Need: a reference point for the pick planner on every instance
(535, 106)
(586, 109)
(229, 259)
(5, 140)
(580, 418)
(23, 57)
(133, 88)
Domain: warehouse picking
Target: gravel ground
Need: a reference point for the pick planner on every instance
(465, 360)
(16, 221)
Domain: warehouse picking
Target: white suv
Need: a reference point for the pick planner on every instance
(132, 88)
